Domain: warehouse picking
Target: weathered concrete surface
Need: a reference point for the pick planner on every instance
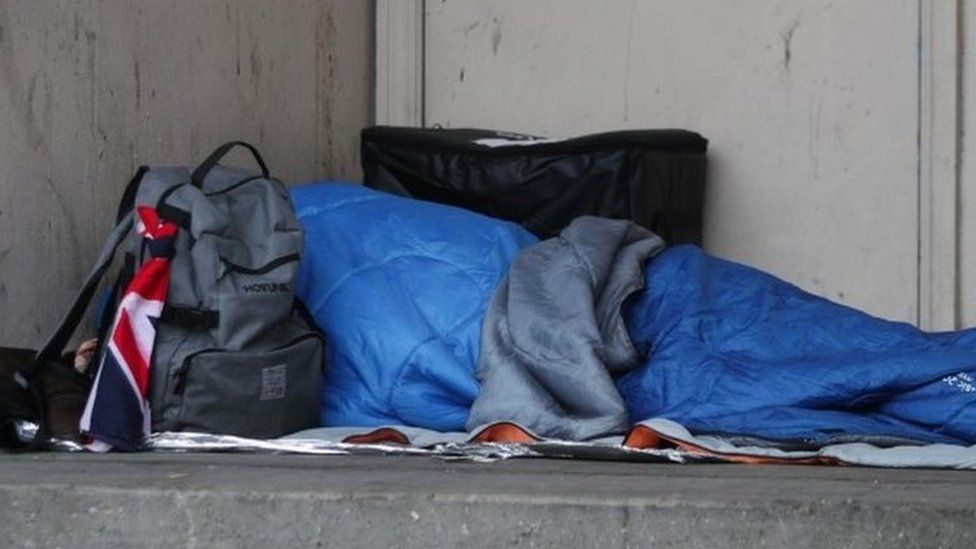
(303, 501)
(811, 109)
(91, 89)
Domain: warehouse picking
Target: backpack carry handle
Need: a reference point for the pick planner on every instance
(204, 168)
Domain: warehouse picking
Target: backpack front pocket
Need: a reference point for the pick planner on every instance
(256, 394)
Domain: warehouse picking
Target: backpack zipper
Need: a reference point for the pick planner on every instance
(181, 373)
(264, 269)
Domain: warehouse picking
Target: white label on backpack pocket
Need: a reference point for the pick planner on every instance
(273, 382)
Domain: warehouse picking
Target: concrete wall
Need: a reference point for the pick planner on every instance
(812, 110)
(89, 90)
(967, 168)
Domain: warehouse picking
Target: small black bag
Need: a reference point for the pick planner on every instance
(50, 394)
(16, 402)
(655, 178)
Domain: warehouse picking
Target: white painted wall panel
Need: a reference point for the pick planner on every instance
(967, 176)
(811, 109)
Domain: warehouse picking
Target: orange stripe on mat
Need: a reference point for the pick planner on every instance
(380, 436)
(643, 437)
(505, 433)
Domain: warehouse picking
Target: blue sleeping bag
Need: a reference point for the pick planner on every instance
(732, 350)
(399, 286)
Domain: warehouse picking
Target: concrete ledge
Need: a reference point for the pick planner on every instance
(233, 500)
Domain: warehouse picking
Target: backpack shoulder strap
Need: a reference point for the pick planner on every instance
(59, 339)
(128, 200)
(48, 360)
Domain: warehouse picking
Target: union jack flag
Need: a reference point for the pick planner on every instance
(117, 411)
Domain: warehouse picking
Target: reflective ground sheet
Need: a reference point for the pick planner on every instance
(656, 440)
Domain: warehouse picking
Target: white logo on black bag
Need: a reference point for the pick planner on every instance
(273, 382)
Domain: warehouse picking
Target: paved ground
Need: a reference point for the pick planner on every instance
(234, 500)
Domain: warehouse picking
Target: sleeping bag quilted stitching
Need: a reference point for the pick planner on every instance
(400, 287)
(735, 351)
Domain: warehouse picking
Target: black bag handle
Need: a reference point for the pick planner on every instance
(204, 168)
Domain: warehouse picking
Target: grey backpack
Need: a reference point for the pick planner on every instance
(230, 355)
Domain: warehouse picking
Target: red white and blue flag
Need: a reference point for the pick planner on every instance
(117, 411)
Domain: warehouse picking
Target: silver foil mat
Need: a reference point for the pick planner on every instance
(452, 451)
(466, 451)
(25, 431)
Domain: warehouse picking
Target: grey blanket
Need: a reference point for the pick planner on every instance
(554, 334)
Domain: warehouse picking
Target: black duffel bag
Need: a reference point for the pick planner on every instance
(655, 178)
